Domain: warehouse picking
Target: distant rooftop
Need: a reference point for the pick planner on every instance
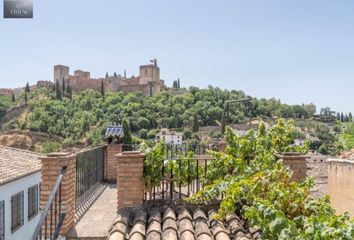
(113, 131)
(17, 163)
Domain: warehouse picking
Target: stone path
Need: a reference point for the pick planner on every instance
(95, 223)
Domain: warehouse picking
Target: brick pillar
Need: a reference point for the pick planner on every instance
(129, 179)
(111, 162)
(297, 163)
(52, 164)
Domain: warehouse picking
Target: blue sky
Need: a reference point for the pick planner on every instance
(297, 51)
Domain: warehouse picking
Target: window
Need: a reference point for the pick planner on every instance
(16, 211)
(2, 220)
(32, 201)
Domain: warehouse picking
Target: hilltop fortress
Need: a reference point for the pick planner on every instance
(148, 81)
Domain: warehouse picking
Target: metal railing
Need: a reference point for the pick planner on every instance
(181, 175)
(181, 178)
(89, 174)
(176, 150)
(52, 217)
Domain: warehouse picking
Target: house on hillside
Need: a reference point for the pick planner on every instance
(169, 137)
(20, 177)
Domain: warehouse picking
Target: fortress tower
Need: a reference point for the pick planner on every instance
(60, 72)
(150, 75)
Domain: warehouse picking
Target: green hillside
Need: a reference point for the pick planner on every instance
(82, 116)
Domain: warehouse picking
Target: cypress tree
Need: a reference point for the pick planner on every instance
(102, 90)
(178, 83)
(106, 74)
(13, 98)
(195, 127)
(127, 139)
(63, 86)
(69, 92)
(26, 98)
(350, 117)
(223, 123)
(342, 117)
(115, 74)
(27, 89)
(58, 91)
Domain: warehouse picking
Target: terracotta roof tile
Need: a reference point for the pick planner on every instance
(16, 163)
(178, 223)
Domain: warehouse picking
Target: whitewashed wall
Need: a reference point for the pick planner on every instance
(6, 191)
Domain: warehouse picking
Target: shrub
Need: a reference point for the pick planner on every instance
(143, 133)
(187, 133)
(255, 183)
(49, 146)
(152, 133)
(323, 149)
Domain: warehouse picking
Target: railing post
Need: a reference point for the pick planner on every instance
(52, 164)
(130, 187)
(110, 166)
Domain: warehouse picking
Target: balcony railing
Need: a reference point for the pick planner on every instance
(182, 173)
(89, 174)
(52, 217)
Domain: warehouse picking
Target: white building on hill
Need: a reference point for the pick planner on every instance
(169, 137)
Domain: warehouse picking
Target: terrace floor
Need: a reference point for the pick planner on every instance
(95, 223)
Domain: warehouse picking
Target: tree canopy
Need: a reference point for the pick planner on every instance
(76, 115)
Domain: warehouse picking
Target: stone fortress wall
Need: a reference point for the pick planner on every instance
(148, 81)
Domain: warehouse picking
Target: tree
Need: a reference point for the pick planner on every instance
(2, 109)
(350, 117)
(102, 90)
(69, 92)
(58, 91)
(187, 133)
(27, 88)
(342, 117)
(26, 99)
(253, 182)
(115, 74)
(174, 84)
(223, 123)
(195, 126)
(127, 139)
(178, 83)
(13, 98)
(143, 122)
(348, 137)
(63, 86)
(106, 74)
(143, 133)
(323, 149)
